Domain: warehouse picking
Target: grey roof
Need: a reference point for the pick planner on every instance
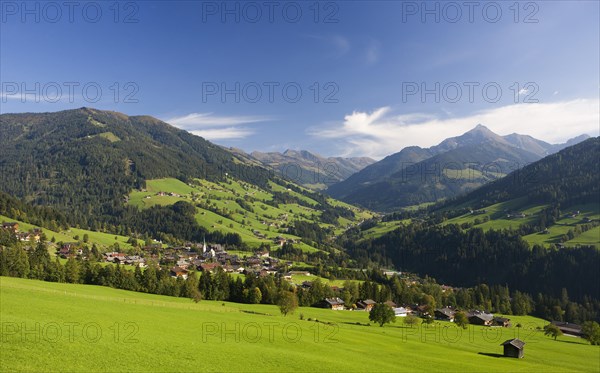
(515, 342)
(482, 315)
(334, 301)
(446, 311)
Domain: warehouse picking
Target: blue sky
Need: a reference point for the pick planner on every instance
(361, 68)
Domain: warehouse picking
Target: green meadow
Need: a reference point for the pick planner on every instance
(99, 238)
(75, 328)
(221, 212)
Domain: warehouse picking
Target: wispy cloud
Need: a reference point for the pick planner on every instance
(337, 45)
(227, 133)
(380, 132)
(373, 52)
(214, 127)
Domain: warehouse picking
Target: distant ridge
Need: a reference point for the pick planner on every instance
(409, 177)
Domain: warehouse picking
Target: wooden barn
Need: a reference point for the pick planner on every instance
(513, 348)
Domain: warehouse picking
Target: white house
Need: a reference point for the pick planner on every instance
(400, 312)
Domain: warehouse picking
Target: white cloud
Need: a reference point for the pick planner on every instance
(195, 120)
(380, 133)
(523, 91)
(373, 52)
(227, 133)
(213, 127)
(337, 45)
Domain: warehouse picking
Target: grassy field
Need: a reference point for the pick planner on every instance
(591, 237)
(75, 328)
(99, 238)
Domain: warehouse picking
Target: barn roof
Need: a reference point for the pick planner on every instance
(514, 342)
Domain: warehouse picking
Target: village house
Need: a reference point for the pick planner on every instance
(422, 310)
(513, 348)
(480, 318)
(445, 314)
(501, 321)
(366, 305)
(209, 267)
(568, 328)
(262, 254)
(114, 257)
(179, 272)
(28, 236)
(12, 226)
(400, 312)
(65, 252)
(334, 303)
(306, 285)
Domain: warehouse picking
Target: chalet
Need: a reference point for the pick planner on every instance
(445, 314)
(179, 272)
(446, 288)
(183, 263)
(422, 310)
(263, 254)
(568, 328)
(480, 318)
(133, 259)
(513, 348)
(24, 236)
(334, 303)
(209, 267)
(366, 305)
(279, 240)
(391, 303)
(112, 257)
(400, 312)
(65, 252)
(306, 284)
(254, 261)
(11, 226)
(501, 321)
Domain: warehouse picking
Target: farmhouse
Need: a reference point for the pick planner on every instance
(445, 314)
(400, 312)
(501, 321)
(366, 305)
(513, 348)
(179, 272)
(209, 267)
(391, 303)
(569, 328)
(334, 303)
(480, 318)
(11, 226)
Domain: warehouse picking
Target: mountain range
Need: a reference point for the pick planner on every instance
(310, 169)
(459, 164)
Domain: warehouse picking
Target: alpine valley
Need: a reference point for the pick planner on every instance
(137, 225)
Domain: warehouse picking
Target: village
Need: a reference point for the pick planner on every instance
(203, 257)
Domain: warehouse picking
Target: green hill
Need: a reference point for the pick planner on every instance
(85, 161)
(108, 172)
(114, 330)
